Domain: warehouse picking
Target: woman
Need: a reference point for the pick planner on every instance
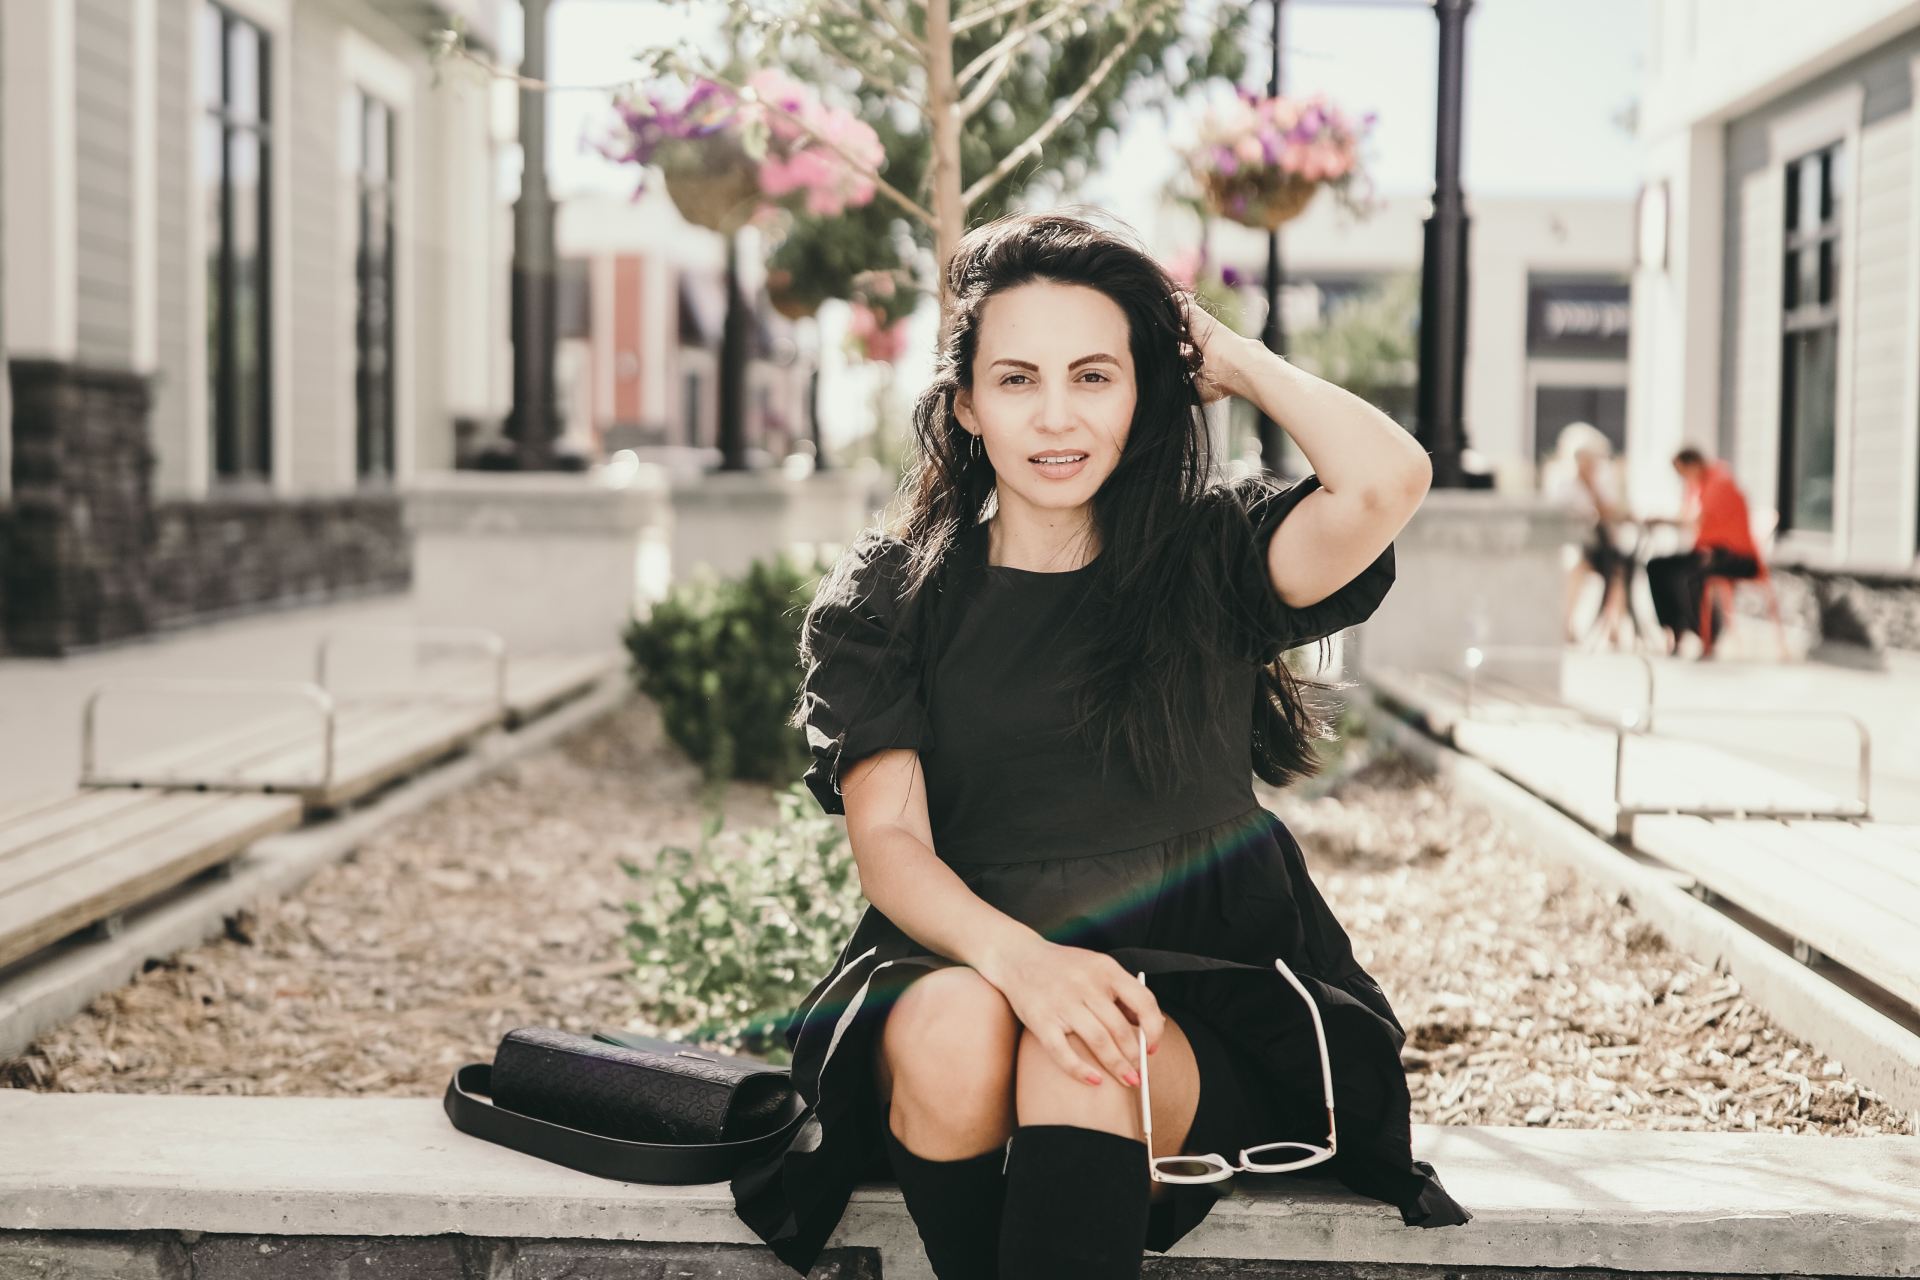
(1039, 726)
(1579, 477)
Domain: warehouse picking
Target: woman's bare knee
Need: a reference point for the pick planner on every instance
(1046, 1093)
(946, 1051)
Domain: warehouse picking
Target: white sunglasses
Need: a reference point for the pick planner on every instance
(1269, 1157)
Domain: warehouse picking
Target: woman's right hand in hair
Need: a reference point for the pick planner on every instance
(1077, 1002)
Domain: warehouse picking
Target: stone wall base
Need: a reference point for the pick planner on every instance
(89, 557)
(188, 1255)
(1866, 611)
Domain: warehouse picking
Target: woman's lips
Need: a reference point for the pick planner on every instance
(1059, 470)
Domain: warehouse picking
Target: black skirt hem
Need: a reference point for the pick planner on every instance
(794, 1198)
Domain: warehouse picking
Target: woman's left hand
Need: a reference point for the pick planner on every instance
(1221, 350)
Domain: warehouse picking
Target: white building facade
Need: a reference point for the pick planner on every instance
(1776, 298)
(254, 268)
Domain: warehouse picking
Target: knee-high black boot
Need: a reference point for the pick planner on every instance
(955, 1204)
(1076, 1205)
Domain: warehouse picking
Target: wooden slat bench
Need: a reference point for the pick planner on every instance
(1849, 892)
(330, 754)
(1604, 770)
(71, 862)
(1438, 700)
(1573, 765)
(139, 827)
(537, 683)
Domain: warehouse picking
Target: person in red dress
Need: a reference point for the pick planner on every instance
(1723, 546)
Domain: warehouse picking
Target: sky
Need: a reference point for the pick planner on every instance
(1545, 81)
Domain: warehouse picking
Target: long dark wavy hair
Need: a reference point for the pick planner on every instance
(1159, 584)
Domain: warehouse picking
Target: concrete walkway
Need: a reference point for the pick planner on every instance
(1822, 753)
(41, 698)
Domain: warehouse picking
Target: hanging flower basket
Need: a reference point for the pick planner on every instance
(1266, 200)
(734, 158)
(1260, 161)
(713, 183)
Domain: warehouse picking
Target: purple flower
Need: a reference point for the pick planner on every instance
(1230, 277)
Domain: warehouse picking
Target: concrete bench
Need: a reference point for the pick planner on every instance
(150, 1185)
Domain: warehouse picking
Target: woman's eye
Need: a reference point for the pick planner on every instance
(1091, 373)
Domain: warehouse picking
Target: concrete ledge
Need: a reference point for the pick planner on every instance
(1879, 1051)
(1613, 1200)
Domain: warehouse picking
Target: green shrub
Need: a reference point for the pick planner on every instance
(720, 657)
(728, 938)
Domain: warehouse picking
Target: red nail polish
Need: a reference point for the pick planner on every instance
(1133, 1080)
(1093, 1079)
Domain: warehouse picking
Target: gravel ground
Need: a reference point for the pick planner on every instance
(1528, 996)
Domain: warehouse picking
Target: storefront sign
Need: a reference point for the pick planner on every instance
(1578, 319)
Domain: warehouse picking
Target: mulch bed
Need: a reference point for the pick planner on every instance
(1529, 997)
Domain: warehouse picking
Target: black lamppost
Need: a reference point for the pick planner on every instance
(533, 422)
(732, 437)
(1443, 271)
(1274, 334)
(1443, 268)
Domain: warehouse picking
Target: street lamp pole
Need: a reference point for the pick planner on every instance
(1274, 334)
(533, 422)
(1443, 271)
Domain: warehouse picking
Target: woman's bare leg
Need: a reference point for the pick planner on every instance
(944, 1065)
(1046, 1094)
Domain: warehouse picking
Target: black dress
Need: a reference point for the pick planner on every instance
(1201, 894)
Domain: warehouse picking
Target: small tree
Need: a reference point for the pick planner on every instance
(969, 97)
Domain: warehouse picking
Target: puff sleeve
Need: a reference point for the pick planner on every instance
(1258, 505)
(860, 689)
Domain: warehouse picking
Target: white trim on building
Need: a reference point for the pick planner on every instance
(365, 67)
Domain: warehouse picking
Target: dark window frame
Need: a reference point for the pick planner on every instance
(1811, 247)
(375, 398)
(242, 453)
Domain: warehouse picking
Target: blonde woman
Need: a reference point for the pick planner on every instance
(1580, 474)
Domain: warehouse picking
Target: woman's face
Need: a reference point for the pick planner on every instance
(1052, 378)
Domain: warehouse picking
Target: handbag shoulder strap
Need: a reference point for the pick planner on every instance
(469, 1105)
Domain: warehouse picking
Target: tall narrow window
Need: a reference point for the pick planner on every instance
(1815, 187)
(235, 141)
(373, 275)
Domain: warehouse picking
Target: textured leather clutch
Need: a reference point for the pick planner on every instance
(643, 1110)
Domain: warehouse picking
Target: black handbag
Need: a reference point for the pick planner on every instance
(625, 1106)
